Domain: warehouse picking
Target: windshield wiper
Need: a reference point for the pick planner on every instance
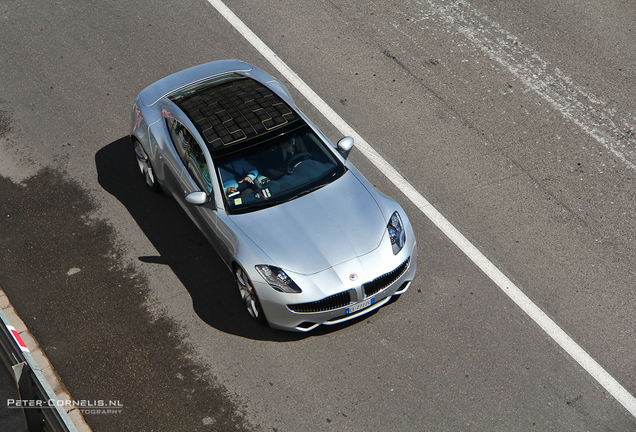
(258, 205)
(274, 201)
(307, 191)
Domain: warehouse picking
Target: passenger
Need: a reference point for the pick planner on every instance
(237, 176)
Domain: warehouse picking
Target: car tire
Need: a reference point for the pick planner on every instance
(145, 167)
(249, 296)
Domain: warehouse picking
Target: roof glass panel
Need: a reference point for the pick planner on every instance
(234, 111)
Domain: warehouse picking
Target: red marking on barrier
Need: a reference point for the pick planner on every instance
(18, 339)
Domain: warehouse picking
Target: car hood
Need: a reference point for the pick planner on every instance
(312, 233)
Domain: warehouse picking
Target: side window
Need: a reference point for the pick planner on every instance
(191, 153)
(198, 167)
(177, 134)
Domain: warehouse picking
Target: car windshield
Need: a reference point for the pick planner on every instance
(276, 171)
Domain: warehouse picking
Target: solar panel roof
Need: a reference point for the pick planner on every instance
(235, 111)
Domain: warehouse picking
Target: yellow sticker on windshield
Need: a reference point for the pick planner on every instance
(238, 201)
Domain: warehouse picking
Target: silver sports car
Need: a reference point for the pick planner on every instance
(309, 240)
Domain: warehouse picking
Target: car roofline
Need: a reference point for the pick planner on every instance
(158, 90)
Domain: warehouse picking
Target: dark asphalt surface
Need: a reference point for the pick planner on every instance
(93, 324)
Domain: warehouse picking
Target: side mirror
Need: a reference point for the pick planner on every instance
(344, 146)
(198, 198)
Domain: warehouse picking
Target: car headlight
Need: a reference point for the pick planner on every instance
(278, 279)
(396, 233)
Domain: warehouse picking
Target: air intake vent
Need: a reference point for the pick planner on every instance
(384, 281)
(334, 302)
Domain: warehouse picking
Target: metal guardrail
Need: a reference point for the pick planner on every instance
(31, 383)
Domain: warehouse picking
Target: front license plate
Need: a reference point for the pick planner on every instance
(360, 306)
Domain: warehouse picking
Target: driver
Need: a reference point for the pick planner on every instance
(289, 149)
(279, 155)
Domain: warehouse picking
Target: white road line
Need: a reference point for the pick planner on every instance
(604, 124)
(533, 311)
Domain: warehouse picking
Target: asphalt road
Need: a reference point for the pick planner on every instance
(516, 120)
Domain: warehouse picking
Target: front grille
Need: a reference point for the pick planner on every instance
(378, 284)
(333, 302)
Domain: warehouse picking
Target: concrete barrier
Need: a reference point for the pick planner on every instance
(42, 409)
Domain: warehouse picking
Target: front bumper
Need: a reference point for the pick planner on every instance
(379, 279)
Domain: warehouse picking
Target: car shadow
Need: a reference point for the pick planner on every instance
(183, 248)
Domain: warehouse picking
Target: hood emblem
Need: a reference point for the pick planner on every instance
(353, 276)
